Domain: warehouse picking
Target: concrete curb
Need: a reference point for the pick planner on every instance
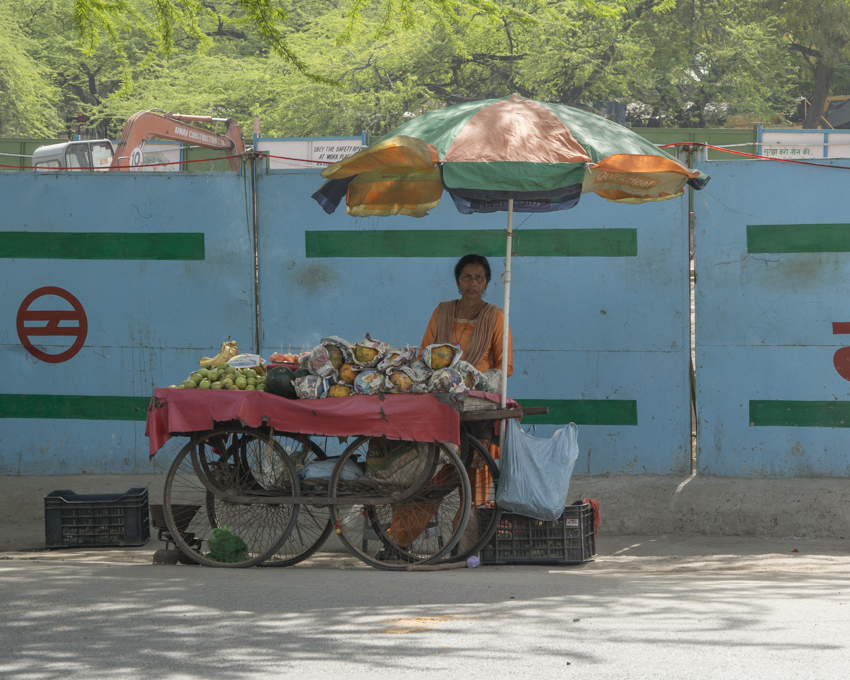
(630, 505)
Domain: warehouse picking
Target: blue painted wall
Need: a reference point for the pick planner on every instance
(584, 327)
(764, 321)
(149, 321)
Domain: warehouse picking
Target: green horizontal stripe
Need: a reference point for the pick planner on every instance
(798, 238)
(101, 246)
(583, 411)
(65, 407)
(456, 242)
(775, 413)
(512, 175)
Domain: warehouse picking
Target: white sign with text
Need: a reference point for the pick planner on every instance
(297, 154)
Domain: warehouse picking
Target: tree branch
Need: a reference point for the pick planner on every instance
(808, 51)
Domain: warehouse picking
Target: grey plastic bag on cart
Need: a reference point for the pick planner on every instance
(534, 474)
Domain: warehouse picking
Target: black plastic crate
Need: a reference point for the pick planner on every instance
(95, 520)
(519, 539)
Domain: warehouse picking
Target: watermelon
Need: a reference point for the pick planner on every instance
(279, 381)
(301, 372)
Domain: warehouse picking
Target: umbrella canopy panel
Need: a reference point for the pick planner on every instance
(541, 155)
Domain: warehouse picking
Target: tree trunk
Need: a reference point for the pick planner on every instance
(823, 81)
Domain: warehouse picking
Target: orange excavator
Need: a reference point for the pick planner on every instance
(140, 128)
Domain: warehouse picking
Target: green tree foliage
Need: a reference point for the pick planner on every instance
(819, 31)
(28, 97)
(336, 67)
(703, 60)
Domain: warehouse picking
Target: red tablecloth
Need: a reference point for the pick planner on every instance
(414, 417)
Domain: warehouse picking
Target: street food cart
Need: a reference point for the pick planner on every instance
(413, 485)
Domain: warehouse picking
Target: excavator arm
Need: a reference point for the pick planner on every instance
(147, 125)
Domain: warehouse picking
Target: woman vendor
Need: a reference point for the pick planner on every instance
(477, 326)
(472, 323)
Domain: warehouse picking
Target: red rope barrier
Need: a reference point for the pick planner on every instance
(752, 155)
(300, 160)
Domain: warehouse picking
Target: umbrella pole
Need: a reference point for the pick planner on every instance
(506, 309)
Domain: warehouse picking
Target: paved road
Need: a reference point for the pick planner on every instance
(647, 608)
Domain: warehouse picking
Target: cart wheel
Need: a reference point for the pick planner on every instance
(229, 460)
(483, 478)
(418, 529)
(313, 525)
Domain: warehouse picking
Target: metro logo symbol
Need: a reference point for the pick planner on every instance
(841, 359)
(52, 328)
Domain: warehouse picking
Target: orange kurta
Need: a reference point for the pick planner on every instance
(461, 334)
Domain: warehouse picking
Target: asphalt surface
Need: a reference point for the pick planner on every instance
(645, 608)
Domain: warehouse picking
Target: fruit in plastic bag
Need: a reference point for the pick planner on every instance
(369, 382)
(396, 358)
(339, 390)
(348, 373)
(320, 363)
(441, 356)
(336, 356)
(311, 387)
(446, 380)
(368, 353)
(401, 381)
(365, 354)
(472, 377)
(491, 381)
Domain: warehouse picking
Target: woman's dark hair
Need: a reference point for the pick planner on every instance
(472, 259)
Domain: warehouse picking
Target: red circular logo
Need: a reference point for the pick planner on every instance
(52, 328)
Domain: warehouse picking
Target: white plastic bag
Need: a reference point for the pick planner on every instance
(534, 474)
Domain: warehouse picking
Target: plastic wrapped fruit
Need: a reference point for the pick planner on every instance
(401, 381)
(335, 355)
(369, 382)
(365, 354)
(348, 373)
(446, 380)
(320, 363)
(441, 356)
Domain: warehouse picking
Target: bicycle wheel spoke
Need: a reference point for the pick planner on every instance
(216, 532)
(421, 527)
(313, 524)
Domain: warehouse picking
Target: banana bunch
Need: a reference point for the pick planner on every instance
(228, 351)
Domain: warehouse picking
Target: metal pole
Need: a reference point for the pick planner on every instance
(692, 279)
(255, 210)
(507, 312)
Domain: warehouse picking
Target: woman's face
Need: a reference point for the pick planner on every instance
(472, 281)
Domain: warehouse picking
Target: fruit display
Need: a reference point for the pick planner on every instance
(336, 368)
(224, 377)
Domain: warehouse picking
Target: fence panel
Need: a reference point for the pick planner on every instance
(773, 259)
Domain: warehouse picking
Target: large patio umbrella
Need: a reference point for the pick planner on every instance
(512, 154)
